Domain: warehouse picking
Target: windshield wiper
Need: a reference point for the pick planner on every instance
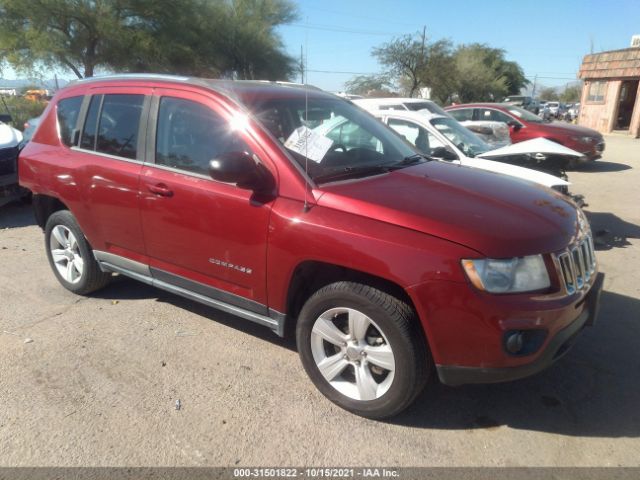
(412, 160)
(353, 172)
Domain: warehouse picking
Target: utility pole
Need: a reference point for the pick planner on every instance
(533, 90)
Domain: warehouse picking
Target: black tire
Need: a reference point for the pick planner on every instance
(91, 278)
(399, 325)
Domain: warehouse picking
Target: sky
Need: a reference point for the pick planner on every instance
(547, 38)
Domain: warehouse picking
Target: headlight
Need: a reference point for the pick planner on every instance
(583, 139)
(523, 274)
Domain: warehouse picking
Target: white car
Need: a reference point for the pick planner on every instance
(494, 133)
(443, 137)
(10, 138)
(400, 103)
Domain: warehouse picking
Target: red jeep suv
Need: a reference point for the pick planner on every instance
(388, 265)
(524, 125)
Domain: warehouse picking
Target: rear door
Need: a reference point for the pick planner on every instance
(107, 154)
(200, 234)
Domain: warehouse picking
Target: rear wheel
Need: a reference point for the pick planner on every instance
(70, 255)
(362, 348)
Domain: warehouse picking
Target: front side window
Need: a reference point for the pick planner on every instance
(465, 140)
(493, 115)
(68, 110)
(462, 114)
(190, 135)
(423, 139)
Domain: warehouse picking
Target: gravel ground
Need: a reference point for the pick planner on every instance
(94, 381)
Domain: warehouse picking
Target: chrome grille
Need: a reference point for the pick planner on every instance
(577, 264)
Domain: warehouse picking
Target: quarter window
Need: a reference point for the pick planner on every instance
(68, 110)
(190, 135)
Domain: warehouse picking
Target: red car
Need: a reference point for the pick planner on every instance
(524, 125)
(388, 265)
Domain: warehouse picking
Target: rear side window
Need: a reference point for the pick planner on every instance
(112, 125)
(190, 135)
(88, 139)
(68, 110)
(462, 114)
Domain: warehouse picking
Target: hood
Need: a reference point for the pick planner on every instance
(533, 146)
(568, 129)
(515, 171)
(496, 215)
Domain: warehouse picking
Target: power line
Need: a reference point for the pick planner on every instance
(330, 28)
(347, 73)
(385, 20)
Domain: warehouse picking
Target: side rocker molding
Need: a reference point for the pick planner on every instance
(174, 284)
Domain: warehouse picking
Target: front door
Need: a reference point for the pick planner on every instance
(200, 234)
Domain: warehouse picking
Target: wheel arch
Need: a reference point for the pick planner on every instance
(309, 276)
(44, 206)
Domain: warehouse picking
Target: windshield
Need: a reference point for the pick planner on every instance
(331, 138)
(524, 114)
(429, 106)
(466, 141)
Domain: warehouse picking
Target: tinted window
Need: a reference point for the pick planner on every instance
(88, 139)
(118, 125)
(462, 114)
(68, 110)
(190, 135)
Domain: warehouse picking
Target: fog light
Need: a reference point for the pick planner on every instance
(514, 342)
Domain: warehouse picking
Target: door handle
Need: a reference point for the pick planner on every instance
(160, 189)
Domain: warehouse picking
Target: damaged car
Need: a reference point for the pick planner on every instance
(538, 160)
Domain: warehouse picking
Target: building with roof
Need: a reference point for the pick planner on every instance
(610, 98)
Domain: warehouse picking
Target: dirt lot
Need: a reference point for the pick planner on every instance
(98, 383)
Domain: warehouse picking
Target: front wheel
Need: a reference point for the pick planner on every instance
(363, 349)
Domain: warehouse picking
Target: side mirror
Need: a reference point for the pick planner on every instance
(445, 153)
(5, 118)
(242, 169)
(515, 126)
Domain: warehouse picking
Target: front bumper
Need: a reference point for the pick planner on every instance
(556, 347)
(595, 152)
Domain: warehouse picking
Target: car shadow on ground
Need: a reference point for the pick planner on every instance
(601, 166)
(610, 231)
(15, 215)
(123, 288)
(593, 391)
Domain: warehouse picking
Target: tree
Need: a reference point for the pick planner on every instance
(367, 84)
(484, 74)
(405, 58)
(571, 94)
(232, 38)
(439, 73)
(549, 94)
(474, 72)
